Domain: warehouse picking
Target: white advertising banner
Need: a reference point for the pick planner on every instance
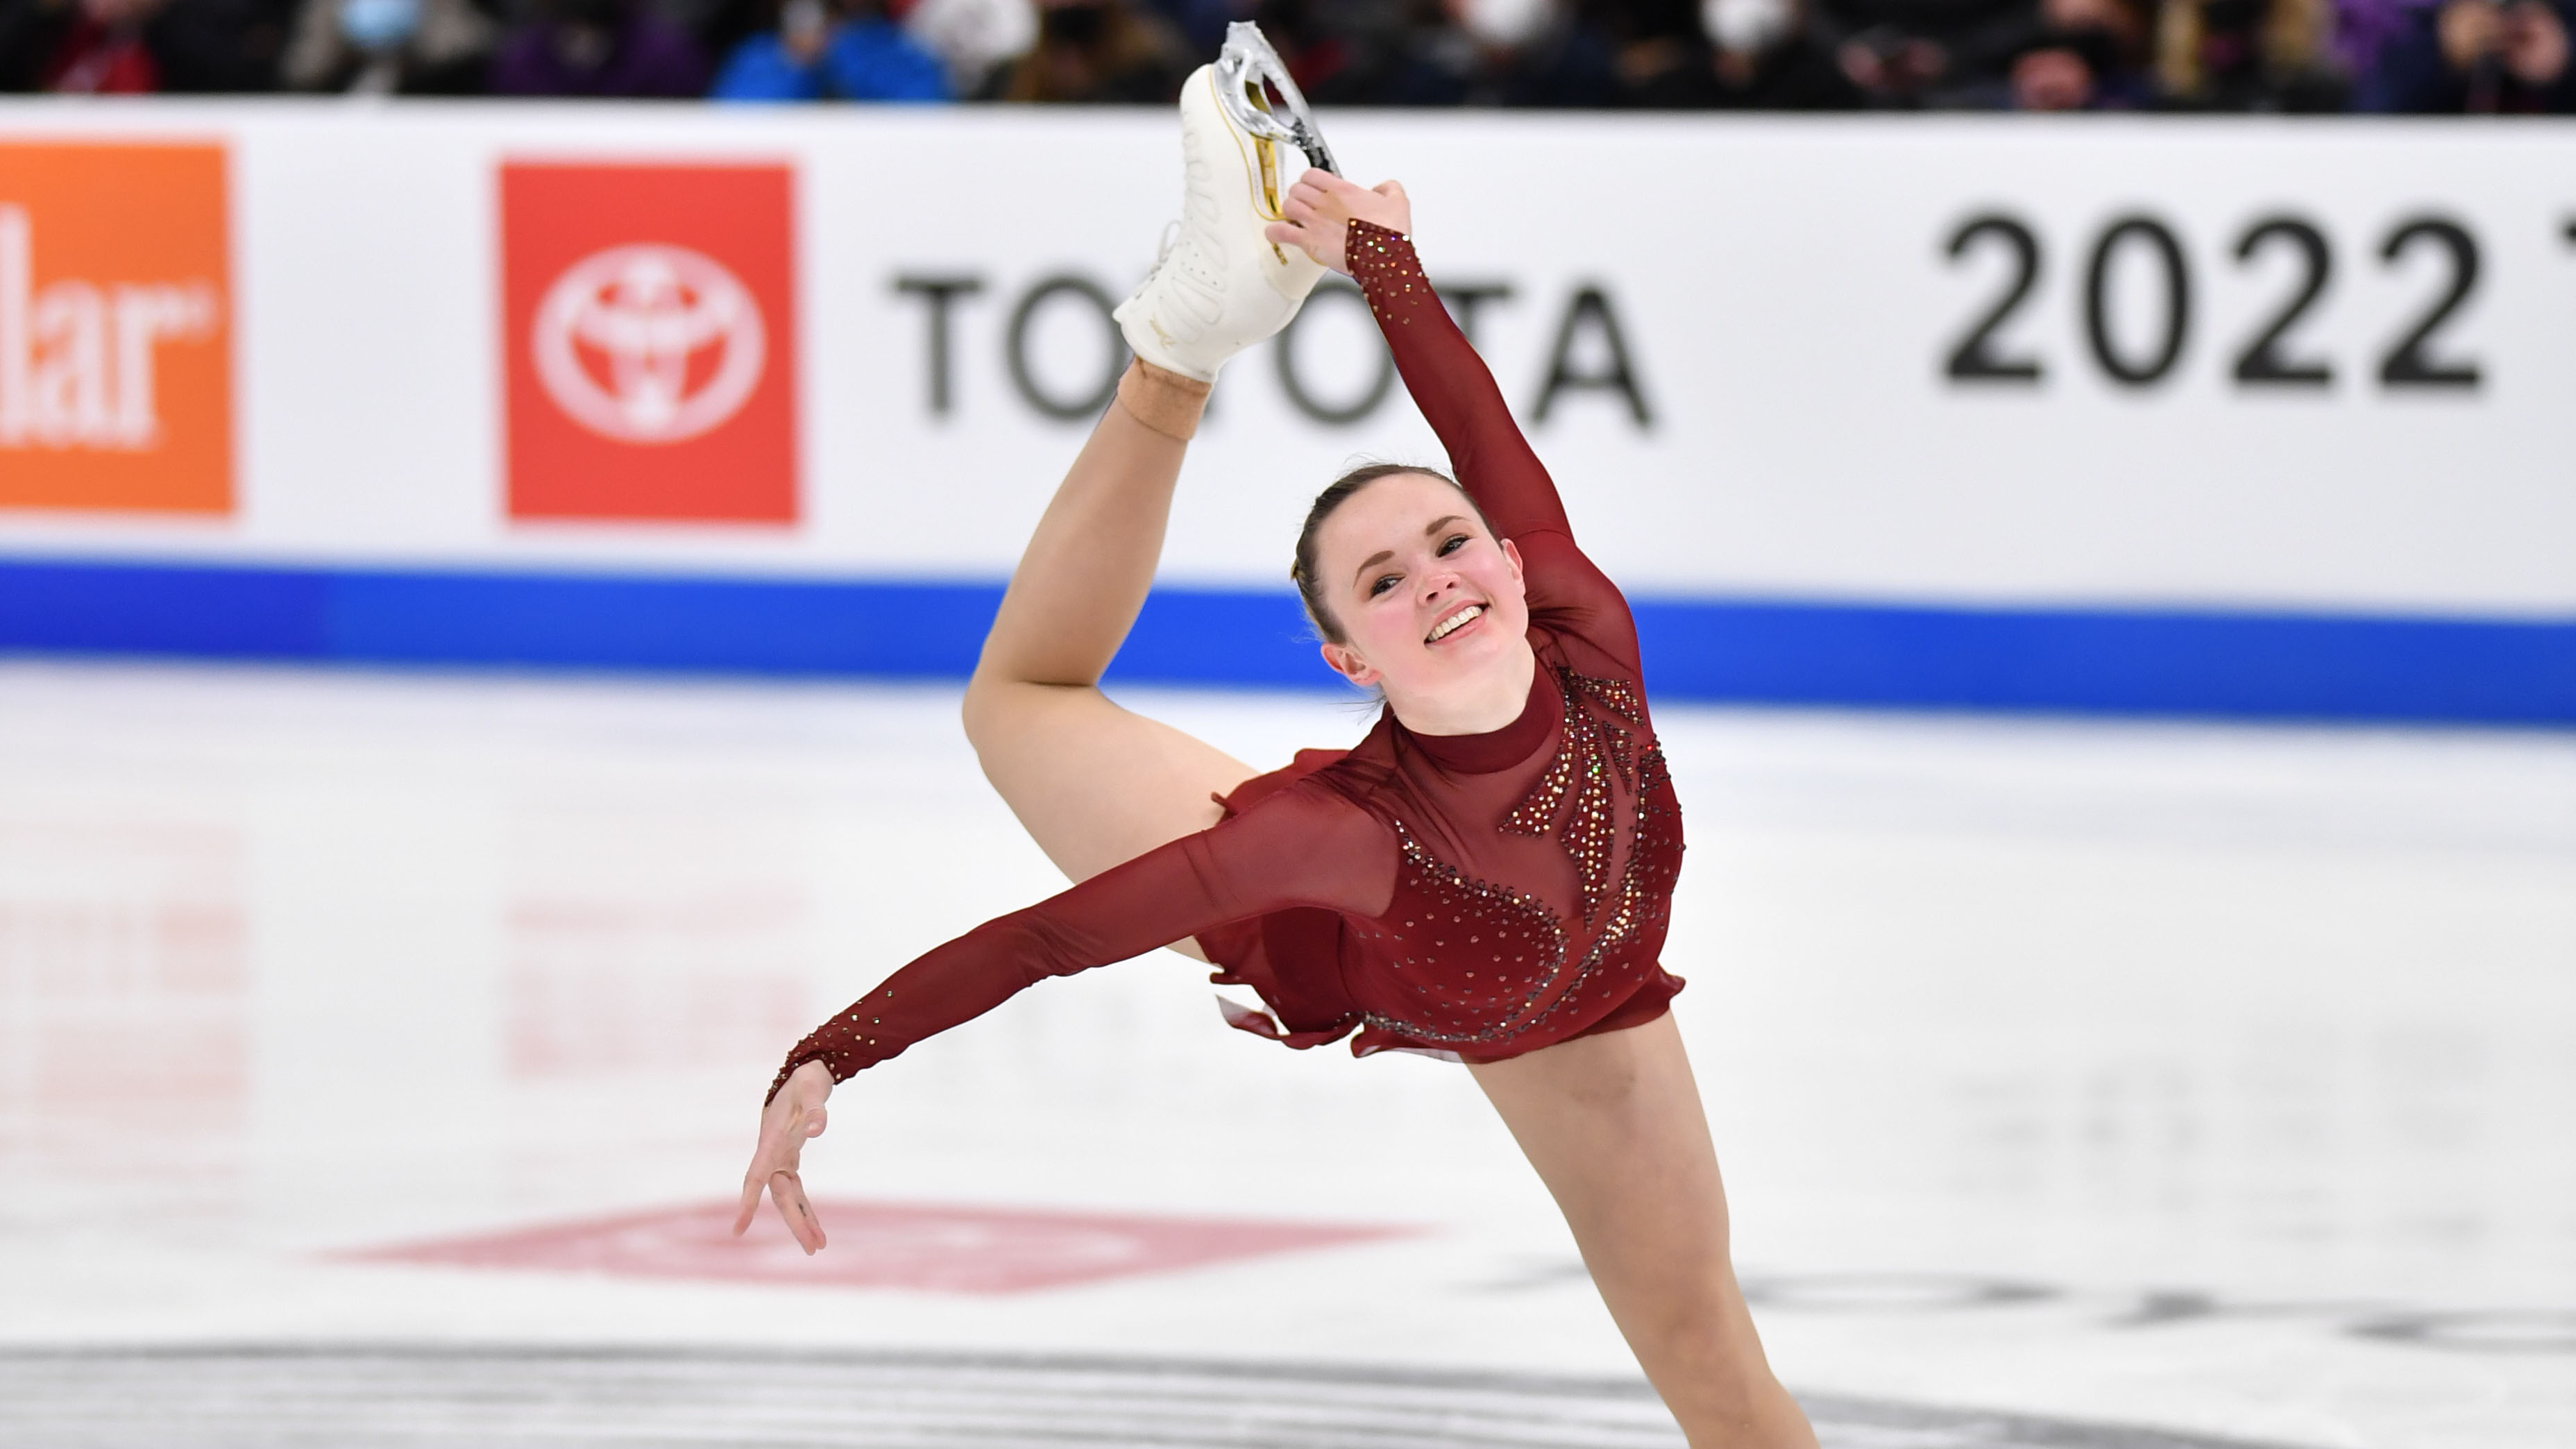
(2231, 417)
(2313, 366)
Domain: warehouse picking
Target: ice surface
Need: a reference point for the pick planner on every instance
(2217, 1079)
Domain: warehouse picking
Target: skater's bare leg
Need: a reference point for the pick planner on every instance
(1095, 784)
(1613, 1125)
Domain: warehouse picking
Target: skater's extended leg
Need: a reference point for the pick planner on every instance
(1095, 784)
(1613, 1125)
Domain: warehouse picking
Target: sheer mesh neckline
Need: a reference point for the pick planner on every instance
(1496, 749)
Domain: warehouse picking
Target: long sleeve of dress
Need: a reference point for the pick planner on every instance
(1495, 464)
(1296, 848)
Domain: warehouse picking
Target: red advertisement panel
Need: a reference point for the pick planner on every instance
(649, 327)
(115, 328)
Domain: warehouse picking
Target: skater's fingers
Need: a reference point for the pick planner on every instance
(786, 1190)
(777, 1149)
(1309, 227)
(1386, 205)
(1326, 189)
(792, 1118)
(1287, 234)
(1340, 201)
(1316, 243)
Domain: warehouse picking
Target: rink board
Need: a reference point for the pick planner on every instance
(2239, 417)
(2313, 666)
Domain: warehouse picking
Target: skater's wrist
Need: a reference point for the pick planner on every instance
(1379, 253)
(1383, 262)
(826, 1074)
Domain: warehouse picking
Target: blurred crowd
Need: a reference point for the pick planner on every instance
(2423, 56)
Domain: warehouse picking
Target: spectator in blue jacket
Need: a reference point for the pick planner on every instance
(856, 54)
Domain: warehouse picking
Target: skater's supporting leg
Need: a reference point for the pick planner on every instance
(1095, 784)
(1613, 1125)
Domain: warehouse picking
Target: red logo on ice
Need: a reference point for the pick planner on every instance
(649, 325)
(890, 1245)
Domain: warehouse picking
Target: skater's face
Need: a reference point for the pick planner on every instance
(1427, 599)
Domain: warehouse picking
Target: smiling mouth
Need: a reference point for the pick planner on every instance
(1454, 623)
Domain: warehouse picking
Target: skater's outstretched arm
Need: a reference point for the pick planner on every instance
(1366, 233)
(1298, 847)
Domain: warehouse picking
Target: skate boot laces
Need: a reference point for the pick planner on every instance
(1249, 74)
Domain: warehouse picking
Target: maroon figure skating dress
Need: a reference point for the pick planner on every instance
(1482, 895)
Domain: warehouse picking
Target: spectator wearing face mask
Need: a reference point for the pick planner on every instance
(389, 47)
(974, 39)
(2247, 55)
(598, 48)
(1766, 56)
(1111, 52)
(814, 55)
(128, 47)
(2479, 57)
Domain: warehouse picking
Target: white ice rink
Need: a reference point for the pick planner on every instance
(2218, 1080)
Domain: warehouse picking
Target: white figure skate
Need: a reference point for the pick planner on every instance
(1220, 285)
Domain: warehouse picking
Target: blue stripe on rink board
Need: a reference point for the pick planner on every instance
(2253, 665)
(2239, 664)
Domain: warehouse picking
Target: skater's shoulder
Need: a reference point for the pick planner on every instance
(1354, 775)
(1330, 778)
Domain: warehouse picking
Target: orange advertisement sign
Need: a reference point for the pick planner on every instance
(649, 333)
(115, 328)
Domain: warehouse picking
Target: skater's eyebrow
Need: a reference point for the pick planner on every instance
(1382, 555)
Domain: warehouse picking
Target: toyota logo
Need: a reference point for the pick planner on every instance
(649, 343)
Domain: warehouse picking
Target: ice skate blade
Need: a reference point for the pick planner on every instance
(1247, 70)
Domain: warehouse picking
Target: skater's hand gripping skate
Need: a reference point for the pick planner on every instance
(791, 1117)
(1321, 207)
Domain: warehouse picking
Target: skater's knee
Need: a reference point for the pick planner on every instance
(991, 708)
(1004, 716)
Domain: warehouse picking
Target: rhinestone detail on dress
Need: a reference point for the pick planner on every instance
(1601, 716)
(1645, 893)
(1524, 994)
(1380, 260)
(1486, 915)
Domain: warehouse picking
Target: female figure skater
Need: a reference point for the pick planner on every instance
(1487, 874)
